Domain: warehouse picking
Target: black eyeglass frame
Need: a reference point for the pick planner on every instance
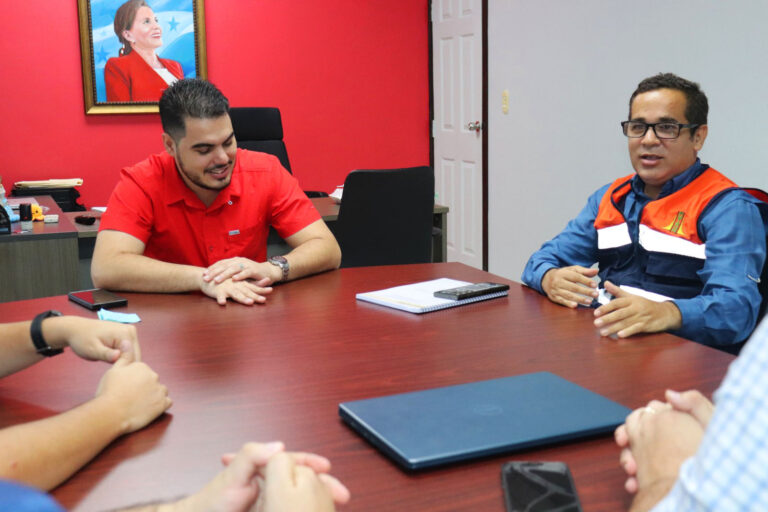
(680, 126)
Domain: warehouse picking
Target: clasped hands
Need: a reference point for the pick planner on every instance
(656, 439)
(240, 279)
(130, 387)
(265, 478)
(624, 316)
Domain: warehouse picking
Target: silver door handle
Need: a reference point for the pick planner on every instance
(474, 127)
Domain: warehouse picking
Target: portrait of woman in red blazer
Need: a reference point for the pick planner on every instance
(138, 74)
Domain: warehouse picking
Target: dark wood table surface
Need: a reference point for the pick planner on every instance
(278, 372)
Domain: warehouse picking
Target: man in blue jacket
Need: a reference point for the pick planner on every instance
(685, 244)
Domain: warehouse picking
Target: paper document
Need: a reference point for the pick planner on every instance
(62, 183)
(419, 298)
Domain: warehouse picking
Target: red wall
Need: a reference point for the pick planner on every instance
(350, 76)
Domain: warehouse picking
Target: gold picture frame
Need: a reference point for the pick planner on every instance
(99, 45)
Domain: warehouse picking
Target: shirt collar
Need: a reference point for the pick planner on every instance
(176, 189)
(675, 183)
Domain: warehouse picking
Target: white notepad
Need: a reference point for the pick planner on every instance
(418, 298)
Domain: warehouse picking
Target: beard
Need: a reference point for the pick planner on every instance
(198, 180)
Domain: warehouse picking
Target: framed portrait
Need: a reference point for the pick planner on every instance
(131, 50)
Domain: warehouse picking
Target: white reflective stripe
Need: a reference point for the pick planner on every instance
(613, 236)
(655, 241)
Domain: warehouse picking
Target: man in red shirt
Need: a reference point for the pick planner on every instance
(197, 216)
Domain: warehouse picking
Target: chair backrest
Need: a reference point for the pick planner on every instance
(385, 217)
(763, 285)
(260, 129)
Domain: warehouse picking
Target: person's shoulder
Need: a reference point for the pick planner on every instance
(151, 168)
(257, 162)
(117, 62)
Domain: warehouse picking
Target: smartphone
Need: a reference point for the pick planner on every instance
(471, 290)
(539, 487)
(97, 298)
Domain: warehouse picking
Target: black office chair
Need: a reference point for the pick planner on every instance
(261, 129)
(385, 217)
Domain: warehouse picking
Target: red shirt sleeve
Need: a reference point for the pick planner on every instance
(292, 210)
(129, 208)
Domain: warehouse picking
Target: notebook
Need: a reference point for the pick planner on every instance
(418, 298)
(438, 426)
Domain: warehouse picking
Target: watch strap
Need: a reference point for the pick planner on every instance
(281, 262)
(36, 333)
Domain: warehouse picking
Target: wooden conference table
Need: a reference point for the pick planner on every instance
(278, 372)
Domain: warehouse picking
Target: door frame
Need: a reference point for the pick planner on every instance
(484, 112)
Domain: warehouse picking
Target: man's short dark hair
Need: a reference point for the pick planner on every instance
(191, 97)
(696, 108)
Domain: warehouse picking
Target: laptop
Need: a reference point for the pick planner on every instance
(439, 426)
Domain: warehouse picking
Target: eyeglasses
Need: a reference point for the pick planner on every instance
(664, 130)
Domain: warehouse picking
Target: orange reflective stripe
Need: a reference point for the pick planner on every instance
(674, 215)
(607, 214)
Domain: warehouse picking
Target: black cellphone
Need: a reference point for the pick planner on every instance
(471, 290)
(539, 487)
(97, 298)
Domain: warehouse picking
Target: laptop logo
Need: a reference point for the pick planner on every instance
(487, 410)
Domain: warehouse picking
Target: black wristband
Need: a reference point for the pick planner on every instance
(36, 333)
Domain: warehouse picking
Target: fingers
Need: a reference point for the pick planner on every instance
(570, 286)
(126, 356)
(627, 461)
(247, 463)
(692, 402)
(339, 491)
(620, 436)
(631, 485)
(237, 269)
(280, 468)
(316, 462)
(243, 292)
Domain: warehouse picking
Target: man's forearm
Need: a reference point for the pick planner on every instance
(46, 452)
(313, 256)
(138, 273)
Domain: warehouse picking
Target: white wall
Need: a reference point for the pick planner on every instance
(570, 67)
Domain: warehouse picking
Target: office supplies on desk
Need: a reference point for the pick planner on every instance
(450, 424)
(419, 298)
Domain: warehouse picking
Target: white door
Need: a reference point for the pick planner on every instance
(457, 77)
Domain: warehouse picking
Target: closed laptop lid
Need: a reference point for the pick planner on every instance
(437, 426)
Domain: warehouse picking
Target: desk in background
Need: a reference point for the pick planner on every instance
(278, 372)
(41, 262)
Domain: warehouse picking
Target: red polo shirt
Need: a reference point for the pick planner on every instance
(152, 203)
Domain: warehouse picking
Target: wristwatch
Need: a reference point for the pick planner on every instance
(36, 333)
(281, 262)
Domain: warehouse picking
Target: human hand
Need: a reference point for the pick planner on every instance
(133, 389)
(629, 314)
(94, 340)
(626, 459)
(244, 480)
(244, 292)
(657, 439)
(240, 269)
(692, 402)
(570, 286)
(292, 485)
